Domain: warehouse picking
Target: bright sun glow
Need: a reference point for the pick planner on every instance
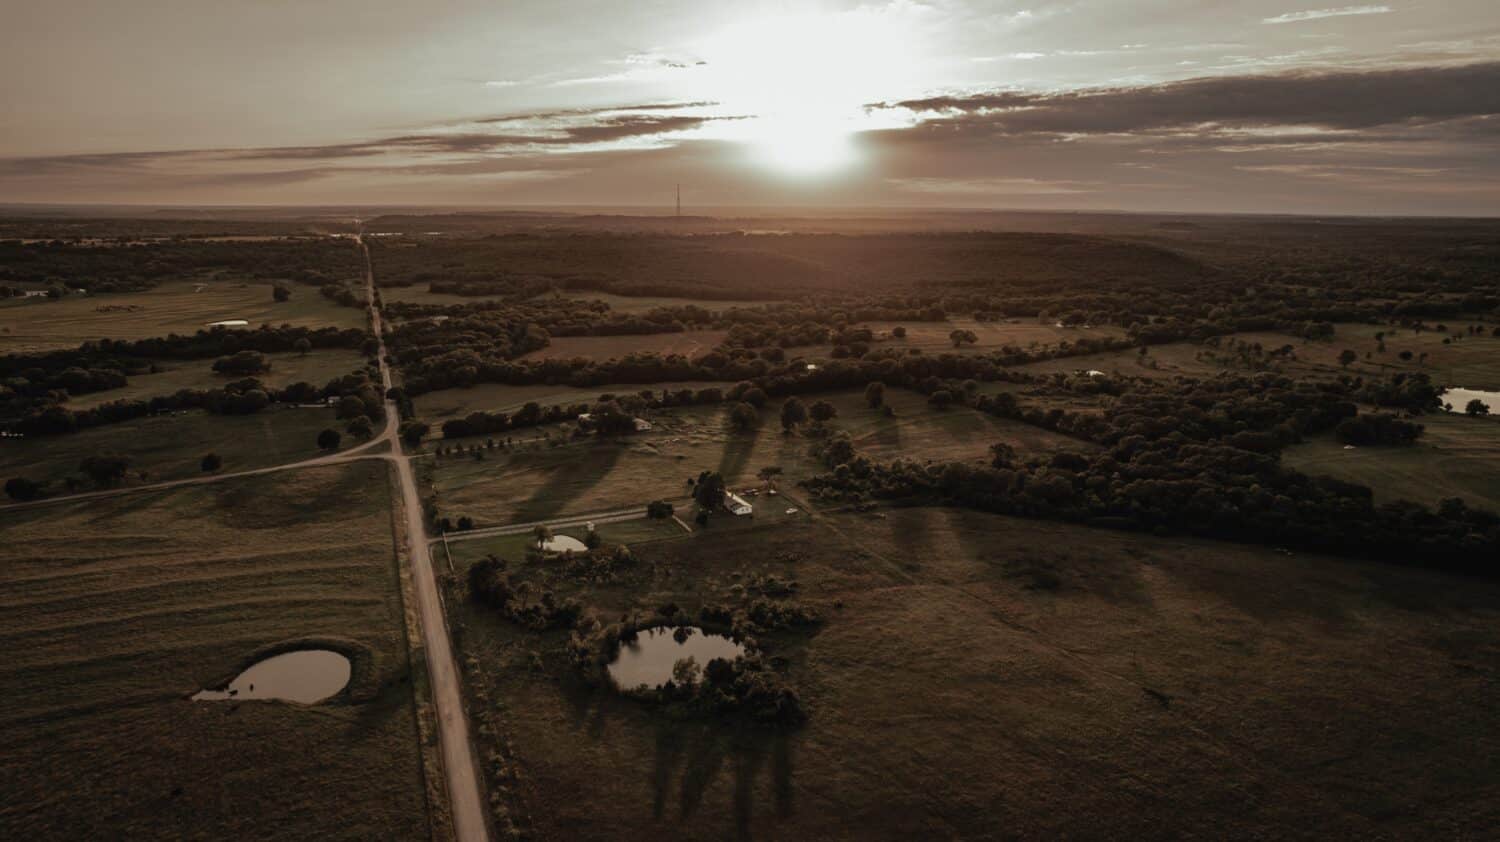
(806, 78)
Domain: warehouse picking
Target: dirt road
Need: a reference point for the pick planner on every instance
(464, 795)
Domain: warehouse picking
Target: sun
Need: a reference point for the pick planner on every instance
(802, 82)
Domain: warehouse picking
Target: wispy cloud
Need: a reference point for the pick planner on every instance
(1319, 14)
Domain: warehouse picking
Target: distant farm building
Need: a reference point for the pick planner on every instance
(737, 505)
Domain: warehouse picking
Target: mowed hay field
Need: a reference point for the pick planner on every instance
(118, 610)
(178, 307)
(982, 677)
(1456, 456)
(690, 343)
(316, 367)
(591, 474)
(171, 447)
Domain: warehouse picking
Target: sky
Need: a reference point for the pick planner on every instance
(1265, 106)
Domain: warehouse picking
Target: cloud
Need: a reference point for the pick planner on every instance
(1319, 14)
(1331, 101)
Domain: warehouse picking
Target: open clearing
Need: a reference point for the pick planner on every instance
(643, 303)
(317, 368)
(1002, 678)
(118, 610)
(933, 337)
(437, 407)
(1456, 456)
(589, 474)
(689, 343)
(1471, 362)
(47, 325)
(170, 447)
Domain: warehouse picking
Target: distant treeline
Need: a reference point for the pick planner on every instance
(114, 267)
(1189, 457)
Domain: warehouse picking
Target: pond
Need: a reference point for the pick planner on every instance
(306, 675)
(1459, 398)
(564, 543)
(648, 660)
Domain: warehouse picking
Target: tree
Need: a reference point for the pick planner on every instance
(823, 412)
(465, 523)
(659, 509)
(541, 534)
(105, 468)
(302, 346)
(329, 439)
(211, 463)
(755, 396)
(1346, 357)
(280, 293)
(685, 673)
(22, 489)
(592, 540)
(1477, 407)
(413, 431)
(360, 428)
(610, 419)
(899, 332)
(709, 491)
(243, 363)
(940, 399)
(769, 474)
(793, 412)
(743, 417)
(962, 337)
(875, 394)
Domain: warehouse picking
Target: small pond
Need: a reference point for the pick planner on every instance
(563, 543)
(306, 675)
(648, 660)
(1459, 398)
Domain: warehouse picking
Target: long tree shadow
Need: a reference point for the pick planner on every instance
(567, 482)
(736, 455)
(691, 756)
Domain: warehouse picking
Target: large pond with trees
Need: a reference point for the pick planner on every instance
(649, 660)
(306, 675)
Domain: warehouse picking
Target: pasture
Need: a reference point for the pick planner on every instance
(933, 337)
(317, 368)
(1456, 456)
(587, 474)
(439, 406)
(118, 610)
(40, 324)
(690, 343)
(1066, 682)
(171, 447)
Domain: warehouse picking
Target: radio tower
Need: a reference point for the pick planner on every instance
(679, 201)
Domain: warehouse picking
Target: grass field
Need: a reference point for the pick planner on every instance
(690, 343)
(437, 407)
(1456, 456)
(44, 325)
(118, 610)
(643, 303)
(317, 368)
(933, 337)
(171, 446)
(982, 677)
(589, 474)
(1471, 362)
